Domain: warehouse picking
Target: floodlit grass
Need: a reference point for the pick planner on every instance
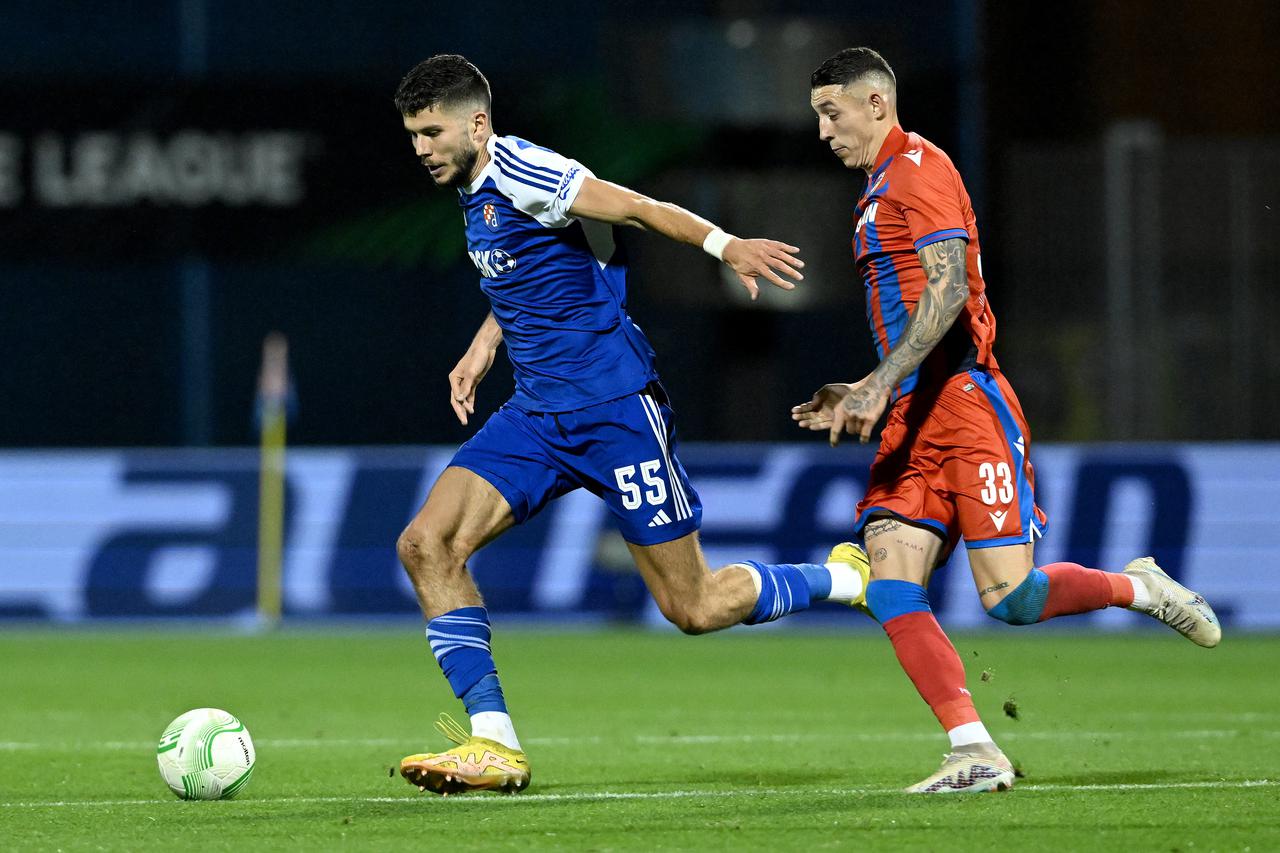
(643, 741)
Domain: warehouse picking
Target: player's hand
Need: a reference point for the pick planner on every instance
(751, 259)
(817, 413)
(465, 377)
(859, 410)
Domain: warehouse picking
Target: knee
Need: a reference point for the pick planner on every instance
(1010, 616)
(421, 548)
(693, 621)
(1025, 604)
(413, 546)
(690, 618)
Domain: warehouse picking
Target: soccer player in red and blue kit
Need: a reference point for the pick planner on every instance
(953, 460)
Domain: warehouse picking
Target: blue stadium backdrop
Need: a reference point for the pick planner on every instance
(171, 534)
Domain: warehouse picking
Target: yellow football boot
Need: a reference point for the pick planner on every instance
(854, 556)
(475, 764)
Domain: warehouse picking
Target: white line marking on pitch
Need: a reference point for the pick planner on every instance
(675, 740)
(587, 796)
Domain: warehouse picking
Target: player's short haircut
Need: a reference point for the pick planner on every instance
(445, 79)
(853, 65)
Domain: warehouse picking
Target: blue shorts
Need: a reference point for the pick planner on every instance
(622, 450)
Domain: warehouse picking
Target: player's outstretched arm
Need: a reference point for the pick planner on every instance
(941, 301)
(472, 367)
(749, 259)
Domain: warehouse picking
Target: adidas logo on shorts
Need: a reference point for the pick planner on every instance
(660, 519)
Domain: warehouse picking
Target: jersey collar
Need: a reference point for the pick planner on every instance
(484, 173)
(893, 144)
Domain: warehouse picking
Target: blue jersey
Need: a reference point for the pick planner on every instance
(557, 285)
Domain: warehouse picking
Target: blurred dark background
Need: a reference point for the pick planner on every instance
(179, 178)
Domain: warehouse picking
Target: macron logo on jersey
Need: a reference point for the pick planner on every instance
(493, 263)
(914, 156)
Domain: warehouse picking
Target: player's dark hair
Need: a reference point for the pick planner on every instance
(446, 79)
(849, 66)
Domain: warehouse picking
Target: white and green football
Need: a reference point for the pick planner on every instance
(206, 754)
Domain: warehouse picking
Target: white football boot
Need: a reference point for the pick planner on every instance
(1173, 604)
(967, 773)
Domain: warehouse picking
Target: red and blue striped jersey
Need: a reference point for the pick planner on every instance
(913, 198)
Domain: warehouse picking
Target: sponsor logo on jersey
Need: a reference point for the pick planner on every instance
(868, 216)
(563, 193)
(491, 217)
(914, 156)
(493, 263)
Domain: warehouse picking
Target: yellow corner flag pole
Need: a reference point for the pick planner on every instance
(273, 393)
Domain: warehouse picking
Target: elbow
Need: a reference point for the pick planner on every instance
(637, 212)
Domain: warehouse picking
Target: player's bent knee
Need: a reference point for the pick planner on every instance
(411, 548)
(408, 544)
(702, 622)
(693, 624)
(689, 619)
(681, 617)
(1010, 618)
(1025, 604)
(421, 550)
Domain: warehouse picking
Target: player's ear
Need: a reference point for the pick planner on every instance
(879, 108)
(479, 124)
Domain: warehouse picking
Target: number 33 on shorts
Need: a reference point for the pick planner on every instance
(998, 481)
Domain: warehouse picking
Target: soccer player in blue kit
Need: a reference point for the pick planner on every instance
(588, 410)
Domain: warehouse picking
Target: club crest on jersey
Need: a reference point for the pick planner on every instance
(491, 217)
(493, 263)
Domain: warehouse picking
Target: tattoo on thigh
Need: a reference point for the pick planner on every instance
(995, 588)
(877, 528)
(913, 546)
(879, 555)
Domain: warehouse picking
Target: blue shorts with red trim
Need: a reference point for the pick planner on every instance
(622, 450)
(955, 459)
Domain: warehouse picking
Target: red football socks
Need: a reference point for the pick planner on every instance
(1075, 589)
(933, 666)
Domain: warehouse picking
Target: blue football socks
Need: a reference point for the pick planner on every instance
(787, 588)
(460, 641)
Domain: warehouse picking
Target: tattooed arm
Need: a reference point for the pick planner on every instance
(940, 303)
(862, 403)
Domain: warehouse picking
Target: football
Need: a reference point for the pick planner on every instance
(206, 754)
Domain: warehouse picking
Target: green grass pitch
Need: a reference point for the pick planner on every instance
(763, 739)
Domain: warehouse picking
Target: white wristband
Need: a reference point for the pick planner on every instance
(715, 243)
